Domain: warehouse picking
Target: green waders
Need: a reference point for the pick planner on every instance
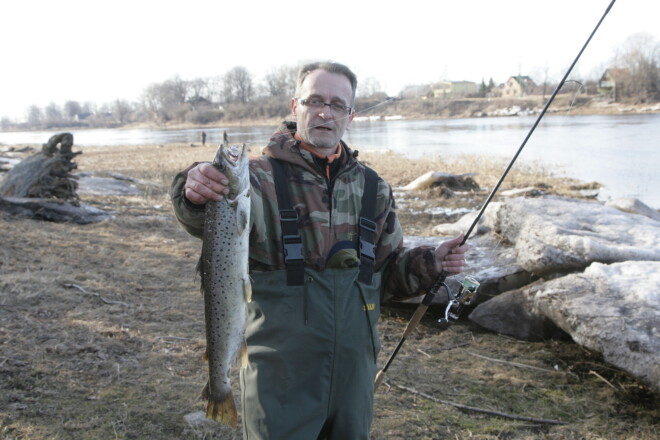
(312, 356)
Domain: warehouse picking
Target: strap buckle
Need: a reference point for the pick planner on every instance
(367, 247)
(288, 215)
(292, 248)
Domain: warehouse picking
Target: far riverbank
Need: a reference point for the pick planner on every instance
(407, 109)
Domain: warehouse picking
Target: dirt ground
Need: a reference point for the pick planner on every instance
(102, 335)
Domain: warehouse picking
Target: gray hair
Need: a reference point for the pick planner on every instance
(328, 66)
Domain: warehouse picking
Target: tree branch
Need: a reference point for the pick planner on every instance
(481, 410)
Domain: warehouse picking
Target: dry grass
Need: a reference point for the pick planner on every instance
(118, 355)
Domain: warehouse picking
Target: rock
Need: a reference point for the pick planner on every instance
(634, 206)
(7, 163)
(490, 260)
(612, 309)
(198, 419)
(553, 235)
(512, 313)
(105, 186)
(485, 224)
(529, 191)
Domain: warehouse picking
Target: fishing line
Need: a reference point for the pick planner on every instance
(456, 302)
(378, 104)
(536, 123)
(575, 95)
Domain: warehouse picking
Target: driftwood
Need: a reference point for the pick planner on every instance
(46, 174)
(42, 187)
(481, 410)
(53, 210)
(83, 290)
(453, 182)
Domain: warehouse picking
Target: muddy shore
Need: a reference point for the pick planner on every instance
(102, 335)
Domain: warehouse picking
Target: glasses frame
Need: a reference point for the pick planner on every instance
(345, 108)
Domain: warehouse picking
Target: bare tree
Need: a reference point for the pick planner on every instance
(5, 123)
(164, 100)
(199, 88)
(238, 85)
(121, 110)
(369, 87)
(639, 61)
(34, 116)
(71, 109)
(53, 114)
(281, 81)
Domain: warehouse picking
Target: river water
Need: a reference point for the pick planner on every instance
(622, 152)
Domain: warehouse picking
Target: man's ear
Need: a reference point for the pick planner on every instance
(294, 105)
(350, 118)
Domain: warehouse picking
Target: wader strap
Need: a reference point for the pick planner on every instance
(367, 226)
(292, 245)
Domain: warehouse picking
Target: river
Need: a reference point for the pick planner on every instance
(620, 151)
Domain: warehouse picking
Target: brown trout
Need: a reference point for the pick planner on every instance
(225, 281)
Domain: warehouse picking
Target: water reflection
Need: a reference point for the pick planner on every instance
(619, 151)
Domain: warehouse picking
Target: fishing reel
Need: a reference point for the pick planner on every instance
(466, 294)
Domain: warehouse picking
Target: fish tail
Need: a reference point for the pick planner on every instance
(223, 411)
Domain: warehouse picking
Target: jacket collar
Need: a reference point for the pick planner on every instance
(285, 147)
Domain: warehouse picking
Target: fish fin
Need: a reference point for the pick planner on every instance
(244, 354)
(223, 411)
(205, 391)
(247, 289)
(242, 213)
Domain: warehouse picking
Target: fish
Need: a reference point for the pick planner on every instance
(225, 282)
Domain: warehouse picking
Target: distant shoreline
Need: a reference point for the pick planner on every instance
(407, 109)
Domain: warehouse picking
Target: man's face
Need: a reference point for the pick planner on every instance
(321, 127)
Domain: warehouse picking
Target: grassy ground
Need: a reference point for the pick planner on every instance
(101, 331)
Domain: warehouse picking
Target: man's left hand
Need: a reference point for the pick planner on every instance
(450, 256)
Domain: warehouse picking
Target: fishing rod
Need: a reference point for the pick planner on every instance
(469, 286)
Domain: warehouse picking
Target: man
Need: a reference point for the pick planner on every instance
(311, 334)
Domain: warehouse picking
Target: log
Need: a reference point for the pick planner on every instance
(454, 182)
(52, 210)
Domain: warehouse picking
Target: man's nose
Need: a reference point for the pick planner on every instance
(326, 113)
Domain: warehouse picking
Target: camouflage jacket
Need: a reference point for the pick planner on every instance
(328, 213)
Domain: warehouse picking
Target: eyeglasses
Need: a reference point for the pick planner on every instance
(337, 109)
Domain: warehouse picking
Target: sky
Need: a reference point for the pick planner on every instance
(100, 51)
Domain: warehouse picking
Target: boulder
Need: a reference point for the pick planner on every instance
(485, 224)
(105, 186)
(613, 309)
(634, 206)
(490, 260)
(513, 313)
(554, 235)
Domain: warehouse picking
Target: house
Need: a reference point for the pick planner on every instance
(611, 83)
(417, 92)
(453, 89)
(518, 86)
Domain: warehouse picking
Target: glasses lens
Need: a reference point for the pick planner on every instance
(339, 109)
(314, 103)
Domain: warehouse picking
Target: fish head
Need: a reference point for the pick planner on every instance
(233, 162)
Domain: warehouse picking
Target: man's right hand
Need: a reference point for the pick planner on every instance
(204, 183)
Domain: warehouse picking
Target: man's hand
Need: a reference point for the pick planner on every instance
(450, 257)
(204, 183)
